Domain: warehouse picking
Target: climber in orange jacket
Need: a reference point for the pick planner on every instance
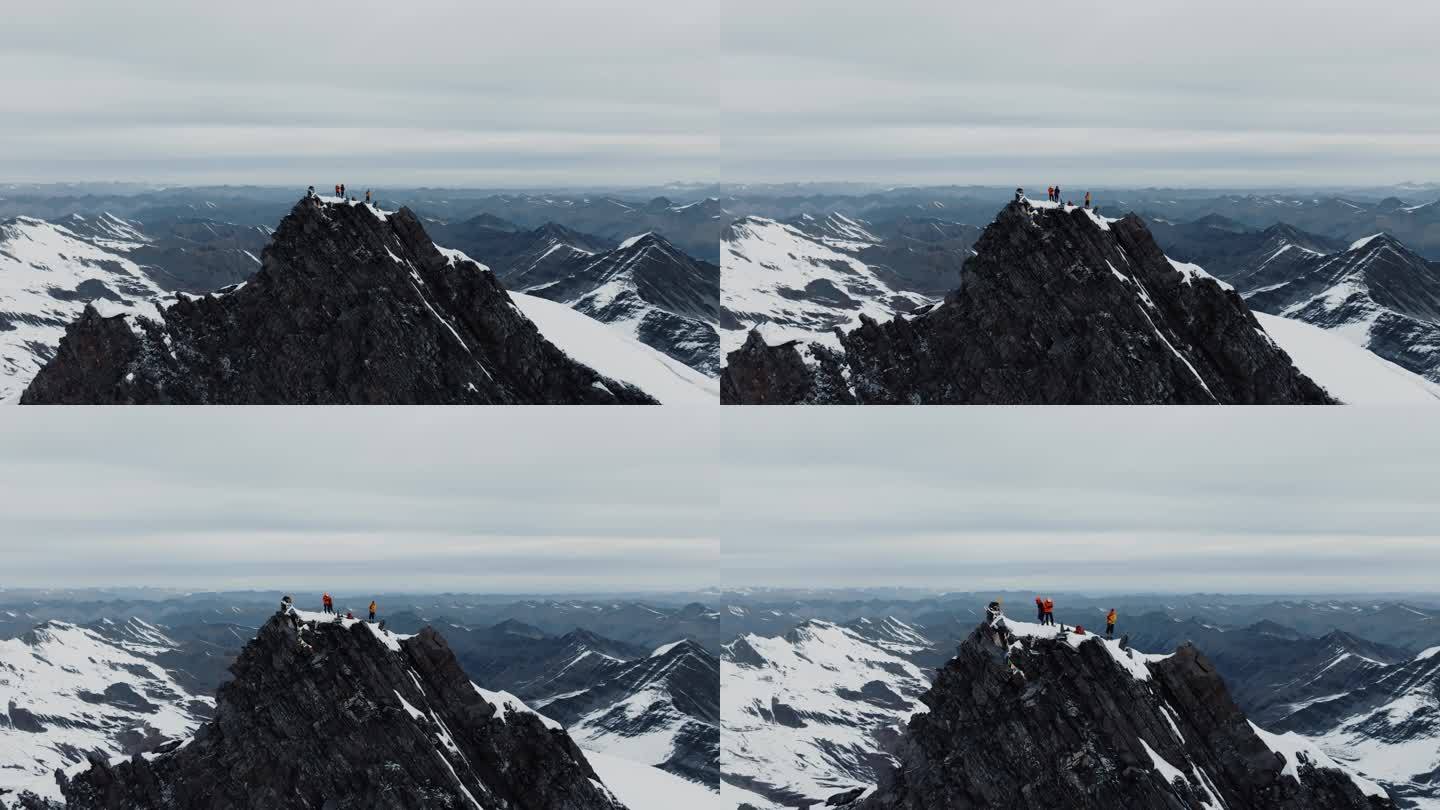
(1110, 624)
(1040, 609)
(1049, 611)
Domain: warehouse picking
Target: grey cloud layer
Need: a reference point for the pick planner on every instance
(1337, 499)
(637, 91)
(510, 499)
(1167, 91)
(435, 91)
(1166, 499)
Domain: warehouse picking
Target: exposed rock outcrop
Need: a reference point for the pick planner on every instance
(332, 714)
(350, 305)
(1032, 719)
(1058, 306)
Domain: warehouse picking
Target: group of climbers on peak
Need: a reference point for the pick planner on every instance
(340, 192)
(1045, 610)
(1052, 193)
(327, 605)
(1045, 615)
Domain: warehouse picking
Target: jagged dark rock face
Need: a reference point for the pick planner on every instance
(1068, 727)
(346, 308)
(1053, 309)
(760, 374)
(324, 716)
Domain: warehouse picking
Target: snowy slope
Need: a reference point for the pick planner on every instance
(607, 351)
(1377, 294)
(646, 289)
(793, 286)
(803, 713)
(662, 710)
(1388, 730)
(67, 690)
(47, 273)
(1349, 372)
(644, 788)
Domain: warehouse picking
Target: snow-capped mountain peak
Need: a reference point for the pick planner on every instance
(807, 714)
(67, 691)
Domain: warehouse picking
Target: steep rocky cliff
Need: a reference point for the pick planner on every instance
(1029, 717)
(1058, 306)
(338, 714)
(351, 305)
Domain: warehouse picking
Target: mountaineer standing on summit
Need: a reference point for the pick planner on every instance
(1110, 624)
(1049, 611)
(372, 610)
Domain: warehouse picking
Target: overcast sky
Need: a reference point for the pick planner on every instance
(563, 500)
(631, 92)
(427, 499)
(444, 92)
(1116, 499)
(1225, 92)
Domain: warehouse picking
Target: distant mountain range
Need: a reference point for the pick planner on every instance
(1052, 304)
(350, 304)
(1375, 292)
(654, 708)
(646, 287)
(1355, 679)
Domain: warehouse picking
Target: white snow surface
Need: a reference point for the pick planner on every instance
(506, 703)
(1168, 772)
(47, 679)
(1398, 742)
(632, 241)
(456, 256)
(1360, 243)
(1296, 749)
(805, 670)
(1350, 373)
(1131, 660)
(641, 787)
(762, 257)
(1194, 271)
(37, 257)
(613, 354)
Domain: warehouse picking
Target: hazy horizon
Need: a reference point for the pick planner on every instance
(572, 93)
(434, 498)
(1286, 500)
(361, 92)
